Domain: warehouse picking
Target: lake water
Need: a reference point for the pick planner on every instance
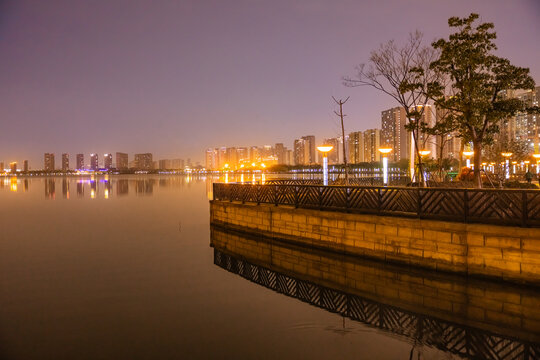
(122, 267)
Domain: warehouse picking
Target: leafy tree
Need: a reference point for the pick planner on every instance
(478, 82)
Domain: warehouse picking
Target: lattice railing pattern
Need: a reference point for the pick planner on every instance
(450, 337)
(505, 207)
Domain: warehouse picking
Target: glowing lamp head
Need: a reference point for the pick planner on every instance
(468, 153)
(325, 148)
(506, 154)
(263, 166)
(385, 151)
(226, 166)
(253, 164)
(424, 152)
(536, 156)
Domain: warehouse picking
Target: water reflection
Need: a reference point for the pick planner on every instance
(468, 318)
(107, 186)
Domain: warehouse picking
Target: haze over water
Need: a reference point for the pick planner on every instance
(121, 267)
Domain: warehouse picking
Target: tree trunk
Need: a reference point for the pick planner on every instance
(477, 161)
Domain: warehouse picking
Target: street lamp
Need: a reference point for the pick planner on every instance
(385, 152)
(537, 157)
(324, 149)
(468, 154)
(507, 163)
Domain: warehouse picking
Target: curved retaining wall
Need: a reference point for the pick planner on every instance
(501, 252)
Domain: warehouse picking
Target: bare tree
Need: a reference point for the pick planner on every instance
(403, 73)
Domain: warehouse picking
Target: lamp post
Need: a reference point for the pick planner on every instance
(468, 155)
(324, 149)
(537, 157)
(507, 163)
(385, 152)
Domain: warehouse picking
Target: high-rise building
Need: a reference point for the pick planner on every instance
(232, 157)
(355, 147)
(524, 126)
(222, 157)
(143, 161)
(304, 150)
(394, 134)
(94, 165)
(310, 152)
(107, 161)
(65, 162)
(372, 143)
(279, 150)
(164, 164)
(177, 164)
(333, 155)
(298, 152)
(289, 157)
(25, 166)
(122, 161)
(254, 154)
(48, 162)
(426, 141)
(80, 161)
(13, 167)
(211, 159)
(242, 154)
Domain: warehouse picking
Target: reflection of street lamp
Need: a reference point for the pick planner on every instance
(507, 163)
(325, 149)
(384, 152)
(537, 157)
(527, 162)
(468, 154)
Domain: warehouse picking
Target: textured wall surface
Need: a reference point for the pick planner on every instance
(503, 252)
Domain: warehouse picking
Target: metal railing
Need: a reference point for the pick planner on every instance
(489, 206)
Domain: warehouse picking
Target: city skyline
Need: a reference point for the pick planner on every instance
(95, 83)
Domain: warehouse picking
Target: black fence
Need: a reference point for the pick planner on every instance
(488, 206)
(464, 341)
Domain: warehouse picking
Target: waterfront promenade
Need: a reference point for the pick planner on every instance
(478, 232)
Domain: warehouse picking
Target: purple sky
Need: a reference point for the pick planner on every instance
(176, 77)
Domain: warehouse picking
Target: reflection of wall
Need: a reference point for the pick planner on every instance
(489, 306)
(506, 252)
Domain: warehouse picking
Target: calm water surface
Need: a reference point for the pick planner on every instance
(122, 267)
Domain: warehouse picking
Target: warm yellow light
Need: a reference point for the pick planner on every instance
(536, 156)
(507, 154)
(526, 161)
(253, 164)
(468, 153)
(385, 150)
(325, 148)
(242, 165)
(262, 165)
(424, 152)
(514, 162)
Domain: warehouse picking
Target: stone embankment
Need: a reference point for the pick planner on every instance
(500, 252)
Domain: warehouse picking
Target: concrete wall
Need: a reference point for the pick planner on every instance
(486, 305)
(502, 252)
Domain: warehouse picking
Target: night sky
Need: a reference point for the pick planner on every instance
(176, 77)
